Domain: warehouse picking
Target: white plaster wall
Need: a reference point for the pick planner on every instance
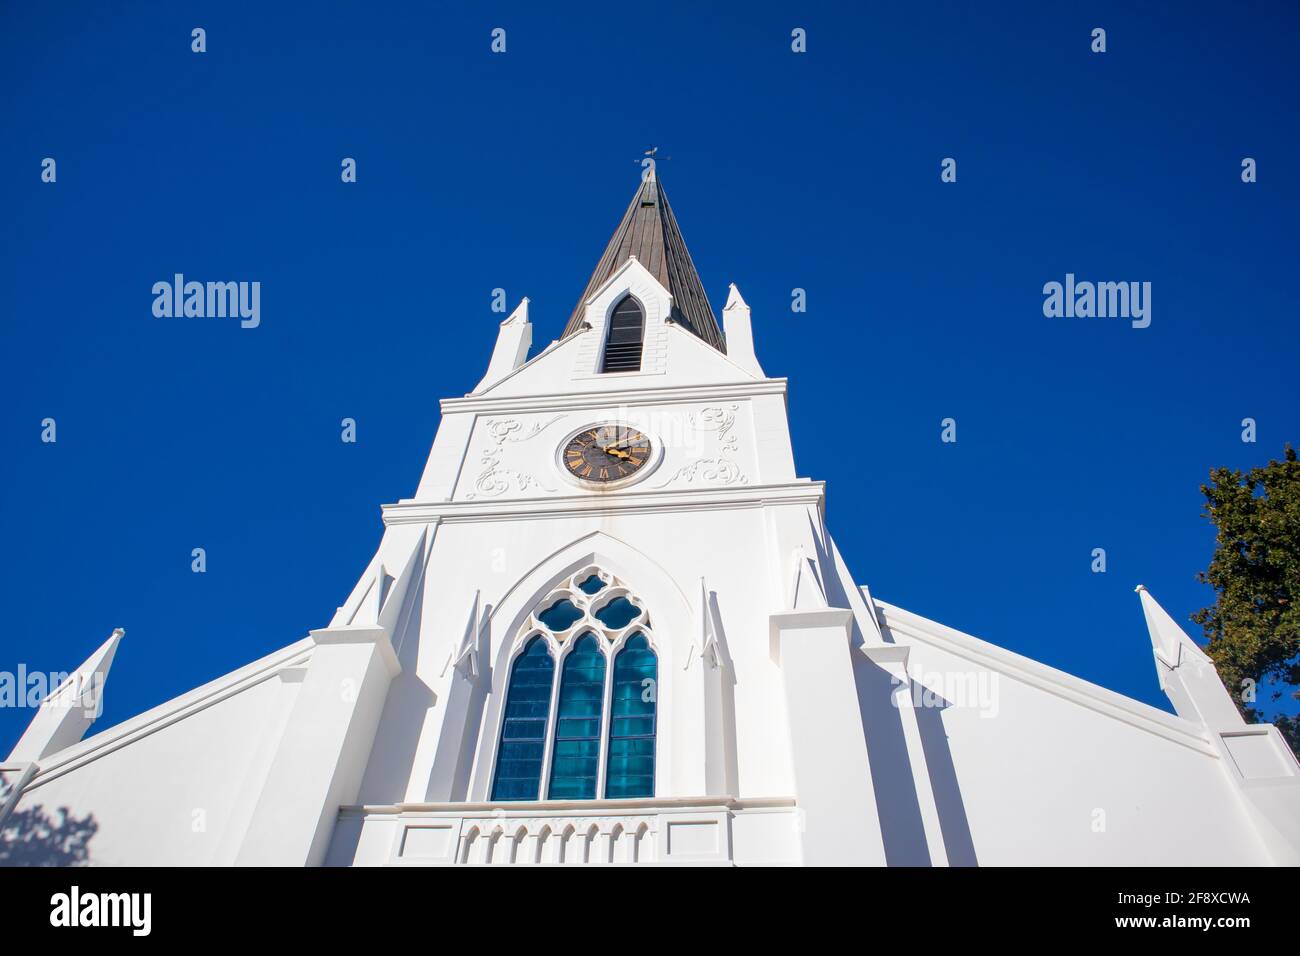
(1038, 779)
(672, 552)
(146, 797)
(705, 444)
(766, 838)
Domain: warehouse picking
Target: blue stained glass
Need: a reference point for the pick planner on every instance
(576, 759)
(591, 585)
(560, 616)
(631, 768)
(523, 732)
(617, 613)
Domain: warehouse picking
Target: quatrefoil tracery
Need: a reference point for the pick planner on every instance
(591, 601)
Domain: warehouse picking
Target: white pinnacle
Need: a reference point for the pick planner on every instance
(67, 713)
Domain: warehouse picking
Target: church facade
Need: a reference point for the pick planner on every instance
(611, 626)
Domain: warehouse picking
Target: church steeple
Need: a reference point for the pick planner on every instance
(649, 231)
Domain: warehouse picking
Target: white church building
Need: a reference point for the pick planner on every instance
(611, 626)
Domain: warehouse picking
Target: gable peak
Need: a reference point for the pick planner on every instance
(648, 232)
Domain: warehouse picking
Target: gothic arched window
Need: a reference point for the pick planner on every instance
(623, 341)
(600, 739)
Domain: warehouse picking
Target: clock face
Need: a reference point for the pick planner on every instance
(606, 453)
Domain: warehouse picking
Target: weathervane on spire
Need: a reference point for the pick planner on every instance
(648, 161)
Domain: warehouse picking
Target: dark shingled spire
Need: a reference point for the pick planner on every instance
(649, 232)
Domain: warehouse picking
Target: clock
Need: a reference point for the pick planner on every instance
(605, 453)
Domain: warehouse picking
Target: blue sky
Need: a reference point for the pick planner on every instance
(477, 171)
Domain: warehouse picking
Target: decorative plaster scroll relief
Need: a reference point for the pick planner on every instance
(496, 478)
(718, 469)
(720, 420)
(505, 429)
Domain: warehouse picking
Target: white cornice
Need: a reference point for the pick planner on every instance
(352, 634)
(612, 397)
(582, 807)
(1047, 678)
(595, 503)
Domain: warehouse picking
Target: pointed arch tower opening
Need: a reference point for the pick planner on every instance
(625, 338)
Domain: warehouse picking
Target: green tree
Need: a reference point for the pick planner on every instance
(1254, 625)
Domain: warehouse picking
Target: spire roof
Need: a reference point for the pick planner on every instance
(648, 230)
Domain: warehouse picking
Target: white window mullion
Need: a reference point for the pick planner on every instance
(548, 747)
(606, 719)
